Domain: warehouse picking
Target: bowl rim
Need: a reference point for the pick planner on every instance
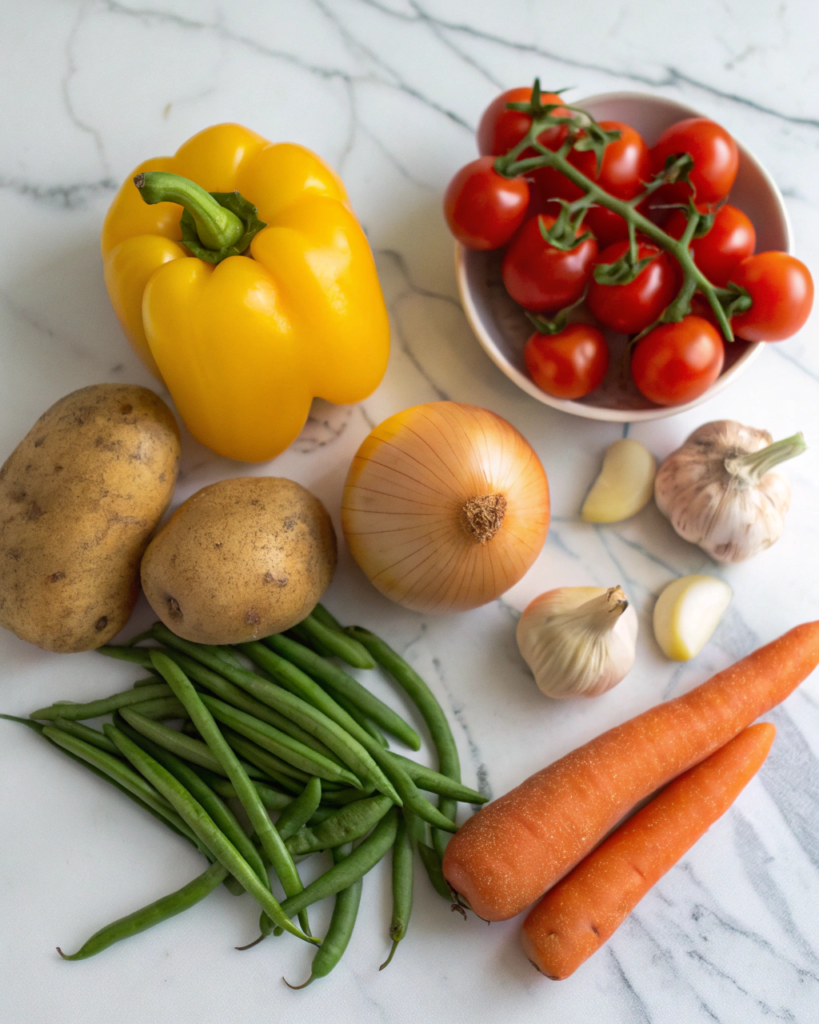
(606, 413)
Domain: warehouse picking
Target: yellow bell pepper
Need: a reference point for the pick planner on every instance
(245, 342)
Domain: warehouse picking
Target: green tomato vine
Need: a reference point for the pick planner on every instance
(585, 134)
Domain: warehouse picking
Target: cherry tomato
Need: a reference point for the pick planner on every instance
(701, 307)
(715, 154)
(482, 208)
(501, 129)
(569, 364)
(629, 308)
(626, 164)
(541, 277)
(782, 291)
(731, 239)
(608, 227)
(676, 363)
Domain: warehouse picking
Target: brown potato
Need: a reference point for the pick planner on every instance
(239, 560)
(80, 497)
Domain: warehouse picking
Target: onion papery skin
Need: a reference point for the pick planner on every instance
(407, 487)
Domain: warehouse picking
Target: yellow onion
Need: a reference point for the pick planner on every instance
(445, 507)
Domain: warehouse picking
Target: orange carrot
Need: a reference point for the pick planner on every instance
(582, 911)
(508, 854)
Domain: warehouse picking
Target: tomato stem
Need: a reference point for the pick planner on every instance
(511, 166)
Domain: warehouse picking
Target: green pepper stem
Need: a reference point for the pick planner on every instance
(750, 468)
(510, 166)
(216, 226)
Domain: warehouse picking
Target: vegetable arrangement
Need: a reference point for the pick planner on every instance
(587, 213)
(517, 847)
(271, 737)
(240, 275)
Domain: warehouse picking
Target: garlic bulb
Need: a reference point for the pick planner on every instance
(578, 641)
(719, 489)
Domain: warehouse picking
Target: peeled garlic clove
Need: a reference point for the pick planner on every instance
(624, 486)
(687, 613)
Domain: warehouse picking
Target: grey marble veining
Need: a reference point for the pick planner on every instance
(390, 91)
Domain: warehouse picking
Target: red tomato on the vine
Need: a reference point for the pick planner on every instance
(731, 239)
(782, 291)
(607, 226)
(715, 155)
(569, 364)
(541, 277)
(626, 165)
(501, 129)
(483, 208)
(629, 308)
(676, 363)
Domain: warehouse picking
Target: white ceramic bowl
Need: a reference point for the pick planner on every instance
(502, 328)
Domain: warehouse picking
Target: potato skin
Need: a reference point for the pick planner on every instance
(239, 560)
(80, 497)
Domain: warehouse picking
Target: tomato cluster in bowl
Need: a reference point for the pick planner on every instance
(599, 230)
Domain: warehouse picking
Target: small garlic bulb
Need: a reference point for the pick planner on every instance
(720, 491)
(578, 641)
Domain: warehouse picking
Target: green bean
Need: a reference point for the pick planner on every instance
(195, 751)
(84, 732)
(279, 743)
(300, 811)
(358, 716)
(135, 655)
(149, 681)
(339, 642)
(431, 711)
(366, 855)
(434, 782)
(155, 913)
(303, 637)
(240, 699)
(73, 712)
(160, 708)
(205, 828)
(341, 927)
(162, 816)
(272, 798)
(270, 839)
(343, 684)
(345, 826)
(120, 772)
(272, 766)
(432, 862)
(322, 726)
(402, 878)
(340, 797)
(429, 856)
(326, 618)
(403, 789)
(222, 815)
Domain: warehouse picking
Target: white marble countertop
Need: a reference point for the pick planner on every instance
(389, 91)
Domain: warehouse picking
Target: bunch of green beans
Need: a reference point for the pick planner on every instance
(293, 733)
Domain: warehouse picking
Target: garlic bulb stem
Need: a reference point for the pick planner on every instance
(600, 614)
(749, 467)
